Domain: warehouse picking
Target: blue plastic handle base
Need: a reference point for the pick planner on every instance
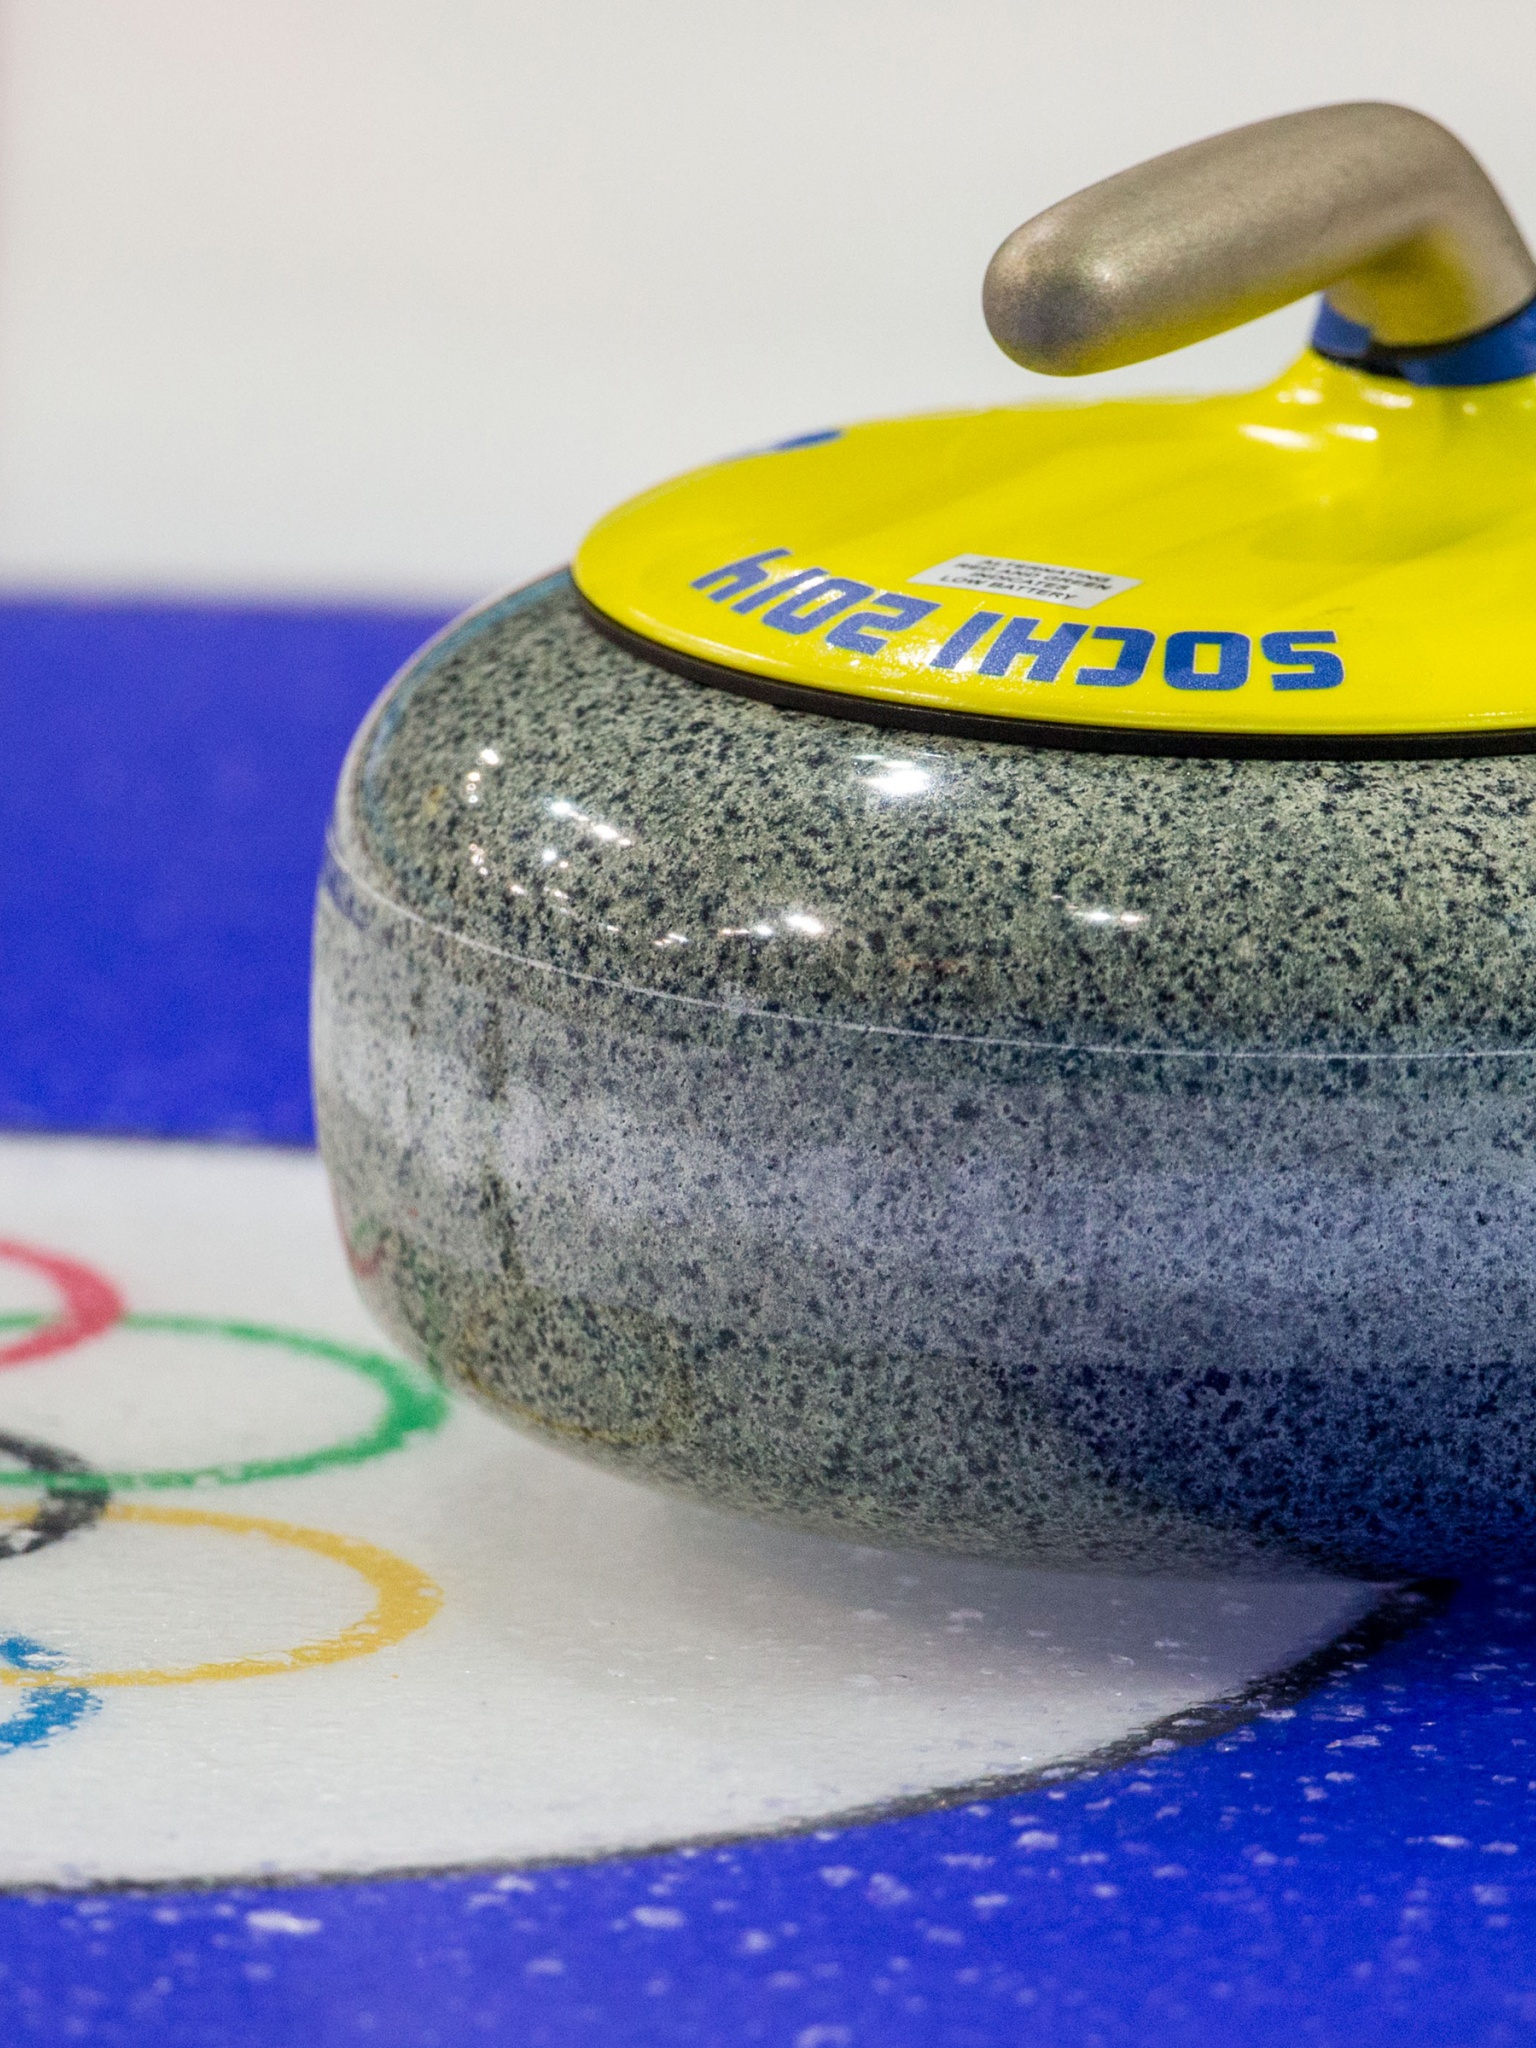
(1495, 356)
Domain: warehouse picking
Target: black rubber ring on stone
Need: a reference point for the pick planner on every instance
(1059, 735)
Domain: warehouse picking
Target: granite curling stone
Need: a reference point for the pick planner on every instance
(947, 1120)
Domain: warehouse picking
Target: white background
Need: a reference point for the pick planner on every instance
(396, 296)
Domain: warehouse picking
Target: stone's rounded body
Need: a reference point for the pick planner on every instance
(1065, 1156)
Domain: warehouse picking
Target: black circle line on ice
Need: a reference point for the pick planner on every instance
(63, 1509)
(1400, 1611)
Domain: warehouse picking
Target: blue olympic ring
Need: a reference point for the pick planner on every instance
(49, 1709)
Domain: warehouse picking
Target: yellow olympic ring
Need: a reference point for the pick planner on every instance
(406, 1601)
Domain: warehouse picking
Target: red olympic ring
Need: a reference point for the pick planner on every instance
(91, 1305)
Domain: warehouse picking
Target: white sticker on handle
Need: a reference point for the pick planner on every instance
(1048, 582)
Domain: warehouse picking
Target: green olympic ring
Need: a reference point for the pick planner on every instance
(412, 1406)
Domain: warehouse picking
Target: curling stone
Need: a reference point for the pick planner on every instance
(971, 981)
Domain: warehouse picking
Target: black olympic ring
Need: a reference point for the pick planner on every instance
(62, 1510)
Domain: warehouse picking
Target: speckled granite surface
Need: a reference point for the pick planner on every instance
(1080, 1157)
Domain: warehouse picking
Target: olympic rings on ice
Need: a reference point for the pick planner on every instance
(405, 1600)
(75, 1495)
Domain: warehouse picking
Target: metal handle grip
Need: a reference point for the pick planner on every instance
(1378, 205)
